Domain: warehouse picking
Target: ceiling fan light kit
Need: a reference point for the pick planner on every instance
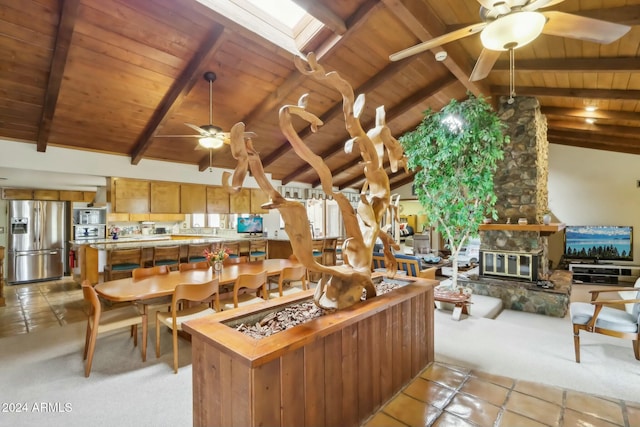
(512, 31)
(211, 142)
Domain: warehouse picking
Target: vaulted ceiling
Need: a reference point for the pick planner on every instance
(114, 76)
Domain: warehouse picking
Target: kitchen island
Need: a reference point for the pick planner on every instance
(91, 255)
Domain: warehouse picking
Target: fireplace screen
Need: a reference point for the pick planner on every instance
(519, 265)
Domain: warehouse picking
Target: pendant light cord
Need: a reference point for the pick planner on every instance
(512, 89)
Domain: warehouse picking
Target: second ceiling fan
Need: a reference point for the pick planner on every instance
(209, 136)
(510, 24)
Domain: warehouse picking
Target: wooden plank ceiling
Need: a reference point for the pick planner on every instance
(111, 75)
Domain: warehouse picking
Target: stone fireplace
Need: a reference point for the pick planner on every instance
(508, 248)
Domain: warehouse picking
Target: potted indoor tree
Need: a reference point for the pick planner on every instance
(455, 153)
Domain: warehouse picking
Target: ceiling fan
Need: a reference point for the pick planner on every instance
(209, 136)
(510, 24)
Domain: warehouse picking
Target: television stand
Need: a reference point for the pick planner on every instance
(605, 274)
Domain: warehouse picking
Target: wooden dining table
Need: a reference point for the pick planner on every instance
(162, 285)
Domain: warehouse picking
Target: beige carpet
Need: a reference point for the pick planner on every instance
(540, 348)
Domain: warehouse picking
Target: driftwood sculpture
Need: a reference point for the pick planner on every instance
(340, 286)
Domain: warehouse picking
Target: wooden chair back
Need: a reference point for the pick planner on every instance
(144, 272)
(196, 293)
(200, 265)
(186, 292)
(195, 252)
(256, 282)
(235, 260)
(297, 273)
(317, 247)
(258, 249)
(166, 255)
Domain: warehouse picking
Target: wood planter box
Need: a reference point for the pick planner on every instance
(335, 370)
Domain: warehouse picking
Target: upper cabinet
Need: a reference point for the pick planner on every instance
(129, 195)
(217, 200)
(193, 198)
(258, 198)
(63, 195)
(165, 197)
(77, 196)
(240, 202)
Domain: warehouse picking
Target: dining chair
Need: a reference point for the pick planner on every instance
(235, 260)
(258, 249)
(200, 265)
(604, 316)
(167, 255)
(99, 321)
(288, 281)
(153, 303)
(121, 263)
(191, 293)
(195, 251)
(247, 282)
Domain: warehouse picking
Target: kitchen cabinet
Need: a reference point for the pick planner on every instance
(165, 197)
(138, 217)
(176, 217)
(193, 198)
(17, 194)
(117, 217)
(240, 202)
(77, 196)
(129, 195)
(46, 195)
(258, 198)
(217, 200)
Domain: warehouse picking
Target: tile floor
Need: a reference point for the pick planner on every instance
(442, 395)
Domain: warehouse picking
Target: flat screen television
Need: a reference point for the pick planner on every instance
(602, 242)
(249, 225)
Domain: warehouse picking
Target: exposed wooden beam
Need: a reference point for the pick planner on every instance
(324, 15)
(420, 19)
(592, 138)
(359, 180)
(627, 116)
(571, 65)
(68, 15)
(400, 182)
(582, 126)
(592, 145)
(628, 15)
(181, 87)
(570, 92)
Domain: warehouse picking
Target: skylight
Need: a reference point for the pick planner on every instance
(285, 11)
(282, 22)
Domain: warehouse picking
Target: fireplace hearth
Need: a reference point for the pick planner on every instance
(512, 265)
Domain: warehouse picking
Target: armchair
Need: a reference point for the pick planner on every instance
(601, 317)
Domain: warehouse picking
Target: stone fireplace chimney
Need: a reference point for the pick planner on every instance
(521, 187)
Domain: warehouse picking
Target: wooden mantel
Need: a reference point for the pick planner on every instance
(544, 230)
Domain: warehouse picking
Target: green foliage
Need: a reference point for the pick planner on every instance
(455, 153)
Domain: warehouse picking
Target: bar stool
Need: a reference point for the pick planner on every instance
(232, 248)
(121, 263)
(330, 252)
(258, 250)
(339, 257)
(195, 251)
(166, 255)
(317, 250)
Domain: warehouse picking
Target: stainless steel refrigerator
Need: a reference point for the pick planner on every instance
(36, 244)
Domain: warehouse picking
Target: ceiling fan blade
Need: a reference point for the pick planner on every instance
(445, 38)
(484, 64)
(198, 129)
(539, 4)
(581, 28)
